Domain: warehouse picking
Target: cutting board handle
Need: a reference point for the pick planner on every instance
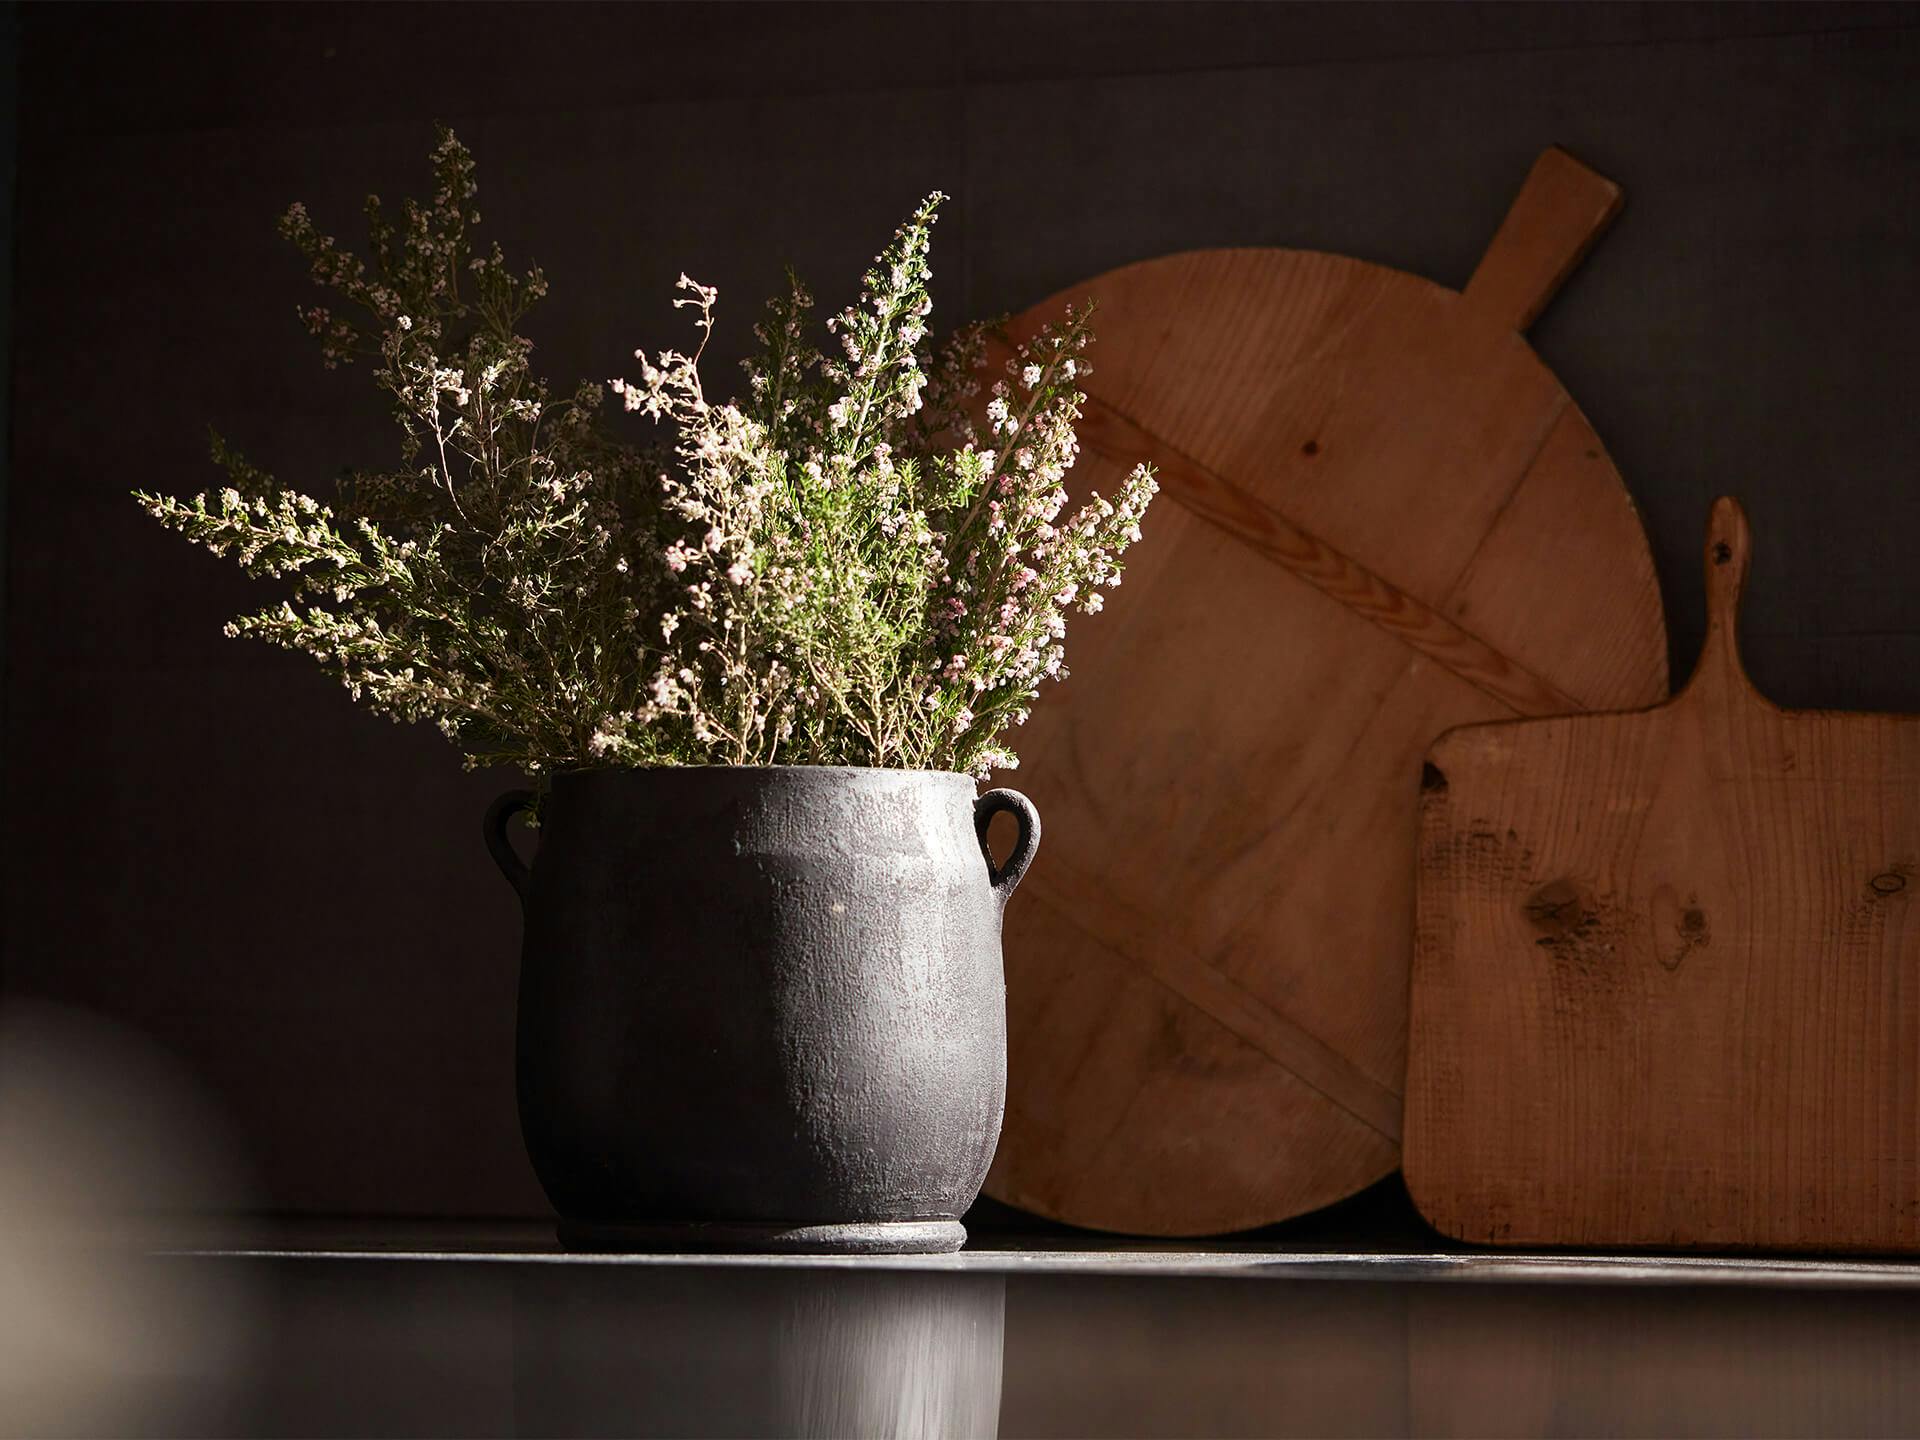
(1728, 554)
(1561, 210)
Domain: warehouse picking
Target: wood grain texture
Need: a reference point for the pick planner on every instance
(1666, 986)
(1382, 517)
(1560, 213)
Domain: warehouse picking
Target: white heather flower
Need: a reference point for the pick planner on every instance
(903, 551)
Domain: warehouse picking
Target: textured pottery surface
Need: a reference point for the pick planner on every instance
(763, 1007)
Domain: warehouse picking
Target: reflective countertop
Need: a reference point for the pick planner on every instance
(302, 1328)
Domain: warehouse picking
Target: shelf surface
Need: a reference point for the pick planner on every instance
(489, 1328)
(1059, 1254)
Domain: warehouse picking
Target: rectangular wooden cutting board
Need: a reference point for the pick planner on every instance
(1666, 976)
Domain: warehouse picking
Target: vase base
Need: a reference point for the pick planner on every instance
(859, 1237)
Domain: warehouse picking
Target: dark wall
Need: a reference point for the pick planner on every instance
(209, 841)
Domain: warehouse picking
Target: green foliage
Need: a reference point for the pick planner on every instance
(837, 569)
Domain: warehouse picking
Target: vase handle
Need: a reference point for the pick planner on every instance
(504, 855)
(1004, 877)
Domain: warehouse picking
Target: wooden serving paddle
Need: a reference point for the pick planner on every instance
(1381, 517)
(1666, 984)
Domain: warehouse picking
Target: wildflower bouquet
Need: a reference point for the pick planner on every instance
(840, 568)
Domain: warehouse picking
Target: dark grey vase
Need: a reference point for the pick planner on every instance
(763, 1007)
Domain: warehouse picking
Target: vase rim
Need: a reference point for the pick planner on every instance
(761, 769)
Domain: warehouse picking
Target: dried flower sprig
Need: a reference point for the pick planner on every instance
(856, 563)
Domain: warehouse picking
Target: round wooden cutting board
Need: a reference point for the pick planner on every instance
(1381, 516)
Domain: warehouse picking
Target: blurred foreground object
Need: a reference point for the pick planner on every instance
(107, 1146)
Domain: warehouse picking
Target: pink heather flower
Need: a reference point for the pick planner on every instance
(1095, 603)
(739, 572)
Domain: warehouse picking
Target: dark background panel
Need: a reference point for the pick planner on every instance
(207, 841)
